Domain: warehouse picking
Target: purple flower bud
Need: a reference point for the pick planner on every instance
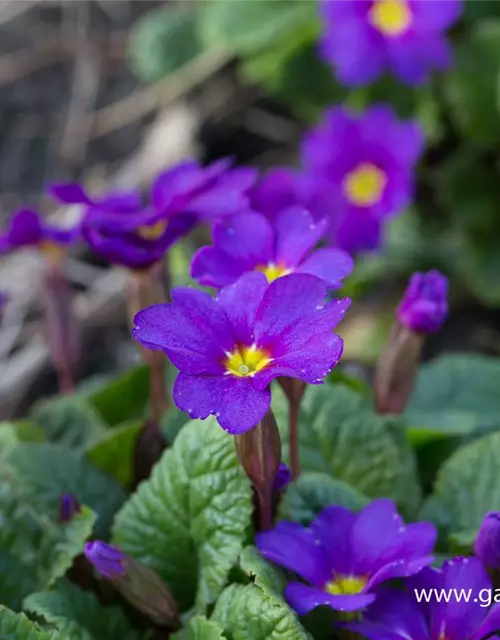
(282, 478)
(109, 561)
(424, 307)
(487, 544)
(68, 507)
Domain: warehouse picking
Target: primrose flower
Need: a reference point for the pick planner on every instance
(247, 241)
(278, 189)
(364, 166)
(107, 560)
(399, 616)
(230, 348)
(487, 544)
(345, 557)
(424, 307)
(364, 38)
(28, 229)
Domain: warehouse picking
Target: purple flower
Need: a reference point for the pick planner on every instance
(207, 192)
(282, 478)
(247, 241)
(109, 561)
(487, 544)
(278, 189)
(424, 306)
(229, 349)
(68, 507)
(344, 557)
(361, 168)
(364, 38)
(28, 229)
(397, 615)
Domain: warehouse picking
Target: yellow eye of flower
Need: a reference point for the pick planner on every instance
(152, 231)
(246, 361)
(364, 186)
(390, 17)
(345, 585)
(273, 271)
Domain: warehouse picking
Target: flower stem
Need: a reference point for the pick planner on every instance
(265, 508)
(293, 424)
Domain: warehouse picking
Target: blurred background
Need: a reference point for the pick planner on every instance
(109, 92)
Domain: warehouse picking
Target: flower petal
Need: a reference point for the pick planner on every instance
(212, 268)
(398, 569)
(276, 191)
(304, 599)
(235, 402)
(69, 192)
(358, 232)
(296, 234)
(331, 265)
(246, 238)
(240, 302)
(491, 624)
(333, 528)
(293, 547)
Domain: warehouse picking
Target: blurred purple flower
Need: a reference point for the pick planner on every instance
(107, 560)
(345, 557)
(229, 349)
(282, 478)
(28, 229)
(487, 544)
(424, 307)
(247, 241)
(278, 189)
(68, 507)
(361, 170)
(397, 615)
(364, 38)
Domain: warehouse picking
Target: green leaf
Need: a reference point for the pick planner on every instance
(8, 437)
(172, 422)
(16, 580)
(456, 394)
(114, 454)
(190, 519)
(69, 420)
(479, 268)
(78, 615)
(341, 436)
(16, 626)
(200, 629)
(263, 574)
(471, 96)
(250, 27)
(163, 41)
(312, 492)
(124, 398)
(45, 471)
(466, 488)
(252, 613)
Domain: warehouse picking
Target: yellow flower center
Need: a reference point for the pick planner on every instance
(152, 231)
(246, 361)
(273, 271)
(345, 585)
(390, 17)
(364, 185)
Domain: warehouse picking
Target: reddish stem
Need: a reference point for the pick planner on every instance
(293, 425)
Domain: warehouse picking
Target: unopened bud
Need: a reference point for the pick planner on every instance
(137, 583)
(487, 544)
(259, 451)
(68, 507)
(424, 306)
(282, 478)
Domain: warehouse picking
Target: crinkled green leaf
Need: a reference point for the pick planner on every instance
(16, 626)
(251, 613)
(466, 488)
(123, 398)
(78, 615)
(46, 471)
(200, 628)
(190, 519)
(16, 580)
(69, 420)
(249, 27)
(163, 41)
(312, 492)
(260, 571)
(114, 453)
(456, 393)
(341, 436)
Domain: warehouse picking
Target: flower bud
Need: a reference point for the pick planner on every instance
(282, 478)
(68, 507)
(259, 451)
(424, 306)
(487, 544)
(136, 582)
